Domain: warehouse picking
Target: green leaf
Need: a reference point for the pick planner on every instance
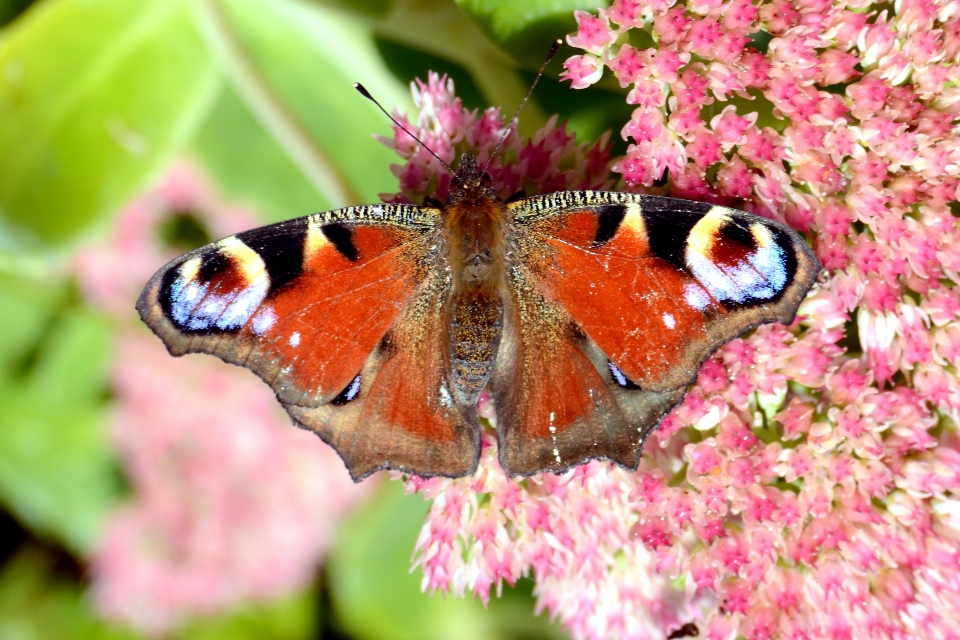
(10, 9)
(57, 470)
(374, 593)
(74, 362)
(433, 30)
(368, 7)
(377, 597)
(39, 602)
(26, 307)
(94, 97)
(248, 164)
(291, 617)
(526, 29)
(297, 119)
(588, 113)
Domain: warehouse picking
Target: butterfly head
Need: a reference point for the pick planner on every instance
(470, 183)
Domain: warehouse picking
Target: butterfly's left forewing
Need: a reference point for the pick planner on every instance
(302, 303)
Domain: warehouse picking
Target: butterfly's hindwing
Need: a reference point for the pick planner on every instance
(399, 412)
(558, 402)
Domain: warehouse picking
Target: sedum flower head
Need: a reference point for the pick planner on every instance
(807, 485)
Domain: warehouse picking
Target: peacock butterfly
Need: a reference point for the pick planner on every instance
(585, 313)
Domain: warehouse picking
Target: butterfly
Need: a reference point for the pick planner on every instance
(585, 313)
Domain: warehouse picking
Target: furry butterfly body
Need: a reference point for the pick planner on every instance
(585, 313)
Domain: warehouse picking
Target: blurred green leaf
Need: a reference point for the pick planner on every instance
(439, 29)
(409, 63)
(588, 113)
(94, 98)
(526, 29)
(368, 7)
(26, 309)
(74, 362)
(292, 617)
(377, 597)
(292, 66)
(38, 602)
(10, 9)
(470, 42)
(249, 164)
(57, 470)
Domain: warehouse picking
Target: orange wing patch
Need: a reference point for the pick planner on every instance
(342, 305)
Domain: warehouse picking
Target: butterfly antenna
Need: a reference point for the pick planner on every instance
(366, 94)
(553, 51)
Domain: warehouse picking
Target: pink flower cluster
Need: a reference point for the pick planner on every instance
(807, 486)
(551, 161)
(230, 503)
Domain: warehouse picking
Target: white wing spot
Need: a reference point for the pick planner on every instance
(696, 297)
(669, 320)
(446, 400)
(553, 436)
(295, 339)
(264, 320)
(353, 389)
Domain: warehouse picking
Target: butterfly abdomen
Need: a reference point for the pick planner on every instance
(475, 321)
(475, 229)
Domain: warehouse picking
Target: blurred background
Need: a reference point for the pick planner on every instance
(147, 496)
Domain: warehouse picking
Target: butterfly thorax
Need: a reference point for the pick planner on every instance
(475, 223)
(474, 226)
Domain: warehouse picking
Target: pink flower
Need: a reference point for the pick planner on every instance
(230, 503)
(582, 71)
(594, 34)
(806, 486)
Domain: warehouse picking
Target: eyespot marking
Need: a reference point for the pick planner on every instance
(620, 378)
(348, 394)
(735, 264)
(225, 302)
